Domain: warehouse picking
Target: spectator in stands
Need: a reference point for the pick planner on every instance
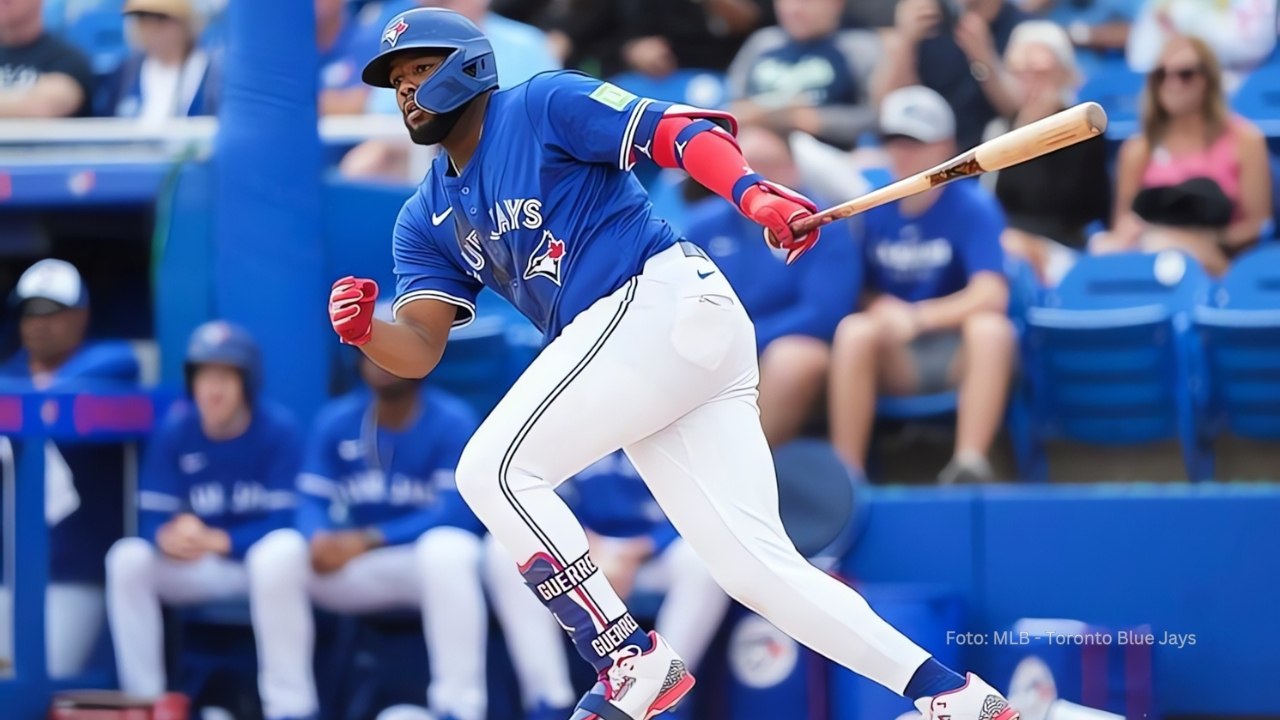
(956, 54)
(41, 76)
(346, 41)
(84, 483)
(1188, 132)
(1241, 33)
(1091, 24)
(381, 526)
(169, 76)
(218, 477)
(663, 35)
(638, 549)
(807, 74)
(583, 34)
(934, 316)
(1051, 200)
(795, 309)
(520, 50)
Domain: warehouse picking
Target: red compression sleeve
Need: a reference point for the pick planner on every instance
(711, 158)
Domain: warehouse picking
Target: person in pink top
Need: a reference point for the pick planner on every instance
(1188, 132)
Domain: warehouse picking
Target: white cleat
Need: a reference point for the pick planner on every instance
(975, 701)
(638, 686)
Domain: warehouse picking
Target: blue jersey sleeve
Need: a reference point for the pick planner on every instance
(109, 362)
(423, 269)
(978, 237)
(161, 490)
(280, 471)
(590, 120)
(317, 482)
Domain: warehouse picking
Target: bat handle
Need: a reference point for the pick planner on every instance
(808, 224)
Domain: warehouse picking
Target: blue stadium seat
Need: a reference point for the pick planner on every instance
(1259, 97)
(1111, 360)
(1117, 88)
(1241, 335)
(98, 29)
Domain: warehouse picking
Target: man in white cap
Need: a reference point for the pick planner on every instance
(84, 487)
(935, 298)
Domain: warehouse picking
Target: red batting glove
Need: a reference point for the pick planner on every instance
(775, 207)
(351, 309)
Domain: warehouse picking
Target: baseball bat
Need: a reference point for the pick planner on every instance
(1071, 126)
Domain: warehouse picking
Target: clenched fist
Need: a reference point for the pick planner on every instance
(351, 304)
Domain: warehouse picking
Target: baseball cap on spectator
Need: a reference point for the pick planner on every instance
(179, 10)
(48, 287)
(917, 112)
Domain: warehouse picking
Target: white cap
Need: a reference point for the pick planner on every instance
(919, 113)
(57, 281)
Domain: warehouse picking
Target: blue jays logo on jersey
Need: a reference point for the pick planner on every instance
(546, 258)
(393, 33)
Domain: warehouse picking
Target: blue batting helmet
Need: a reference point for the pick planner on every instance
(224, 343)
(468, 70)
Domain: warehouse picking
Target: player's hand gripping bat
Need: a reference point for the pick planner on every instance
(1028, 142)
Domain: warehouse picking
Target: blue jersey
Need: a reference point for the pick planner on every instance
(546, 212)
(808, 298)
(358, 475)
(935, 254)
(610, 499)
(243, 486)
(78, 543)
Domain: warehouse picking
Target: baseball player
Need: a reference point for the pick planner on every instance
(84, 482)
(218, 477)
(381, 526)
(648, 349)
(637, 549)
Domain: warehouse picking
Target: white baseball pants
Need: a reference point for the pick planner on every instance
(439, 574)
(665, 368)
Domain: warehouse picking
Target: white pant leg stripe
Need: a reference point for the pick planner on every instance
(507, 458)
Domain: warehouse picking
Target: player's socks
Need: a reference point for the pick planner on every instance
(932, 678)
(565, 593)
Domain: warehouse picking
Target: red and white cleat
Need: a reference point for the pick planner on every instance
(975, 701)
(639, 686)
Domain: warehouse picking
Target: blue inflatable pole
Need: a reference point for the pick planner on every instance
(268, 254)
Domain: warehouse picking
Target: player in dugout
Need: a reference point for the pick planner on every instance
(84, 482)
(381, 526)
(218, 477)
(648, 350)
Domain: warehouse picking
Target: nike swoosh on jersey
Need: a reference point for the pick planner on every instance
(705, 275)
(437, 219)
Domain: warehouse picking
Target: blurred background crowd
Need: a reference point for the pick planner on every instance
(931, 341)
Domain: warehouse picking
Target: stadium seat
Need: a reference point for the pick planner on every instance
(98, 30)
(1258, 98)
(1110, 358)
(1241, 336)
(1117, 88)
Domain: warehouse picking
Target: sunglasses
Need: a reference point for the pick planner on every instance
(1183, 74)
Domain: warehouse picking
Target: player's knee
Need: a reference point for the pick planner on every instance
(448, 552)
(130, 560)
(277, 556)
(477, 473)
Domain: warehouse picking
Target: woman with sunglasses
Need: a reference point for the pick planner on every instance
(1188, 132)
